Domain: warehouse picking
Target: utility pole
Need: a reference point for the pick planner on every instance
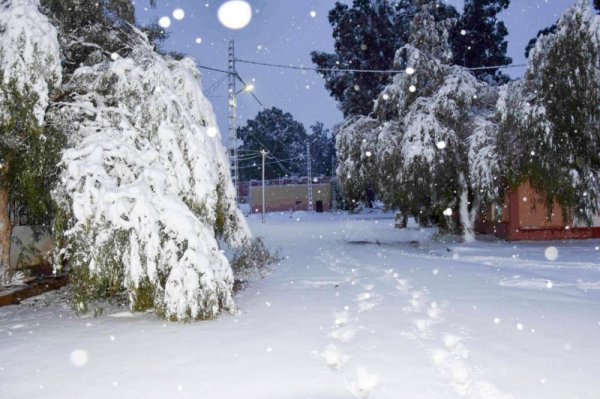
(333, 184)
(264, 155)
(309, 174)
(232, 134)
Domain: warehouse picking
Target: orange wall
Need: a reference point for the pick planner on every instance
(533, 213)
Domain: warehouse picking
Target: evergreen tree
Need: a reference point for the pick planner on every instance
(29, 149)
(479, 39)
(550, 130)
(431, 148)
(322, 149)
(366, 36)
(279, 133)
(357, 170)
(533, 41)
(92, 31)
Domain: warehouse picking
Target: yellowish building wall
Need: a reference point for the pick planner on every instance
(292, 197)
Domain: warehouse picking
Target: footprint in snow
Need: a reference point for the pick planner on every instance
(367, 301)
(344, 334)
(342, 318)
(334, 357)
(364, 384)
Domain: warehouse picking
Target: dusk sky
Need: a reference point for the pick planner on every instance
(285, 32)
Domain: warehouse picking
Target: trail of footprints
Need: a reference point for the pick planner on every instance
(343, 331)
(446, 351)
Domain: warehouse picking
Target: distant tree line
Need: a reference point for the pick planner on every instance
(285, 139)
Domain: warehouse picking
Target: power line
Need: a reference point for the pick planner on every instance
(214, 69)
(380, 71)
(303, 68)
(215, 85)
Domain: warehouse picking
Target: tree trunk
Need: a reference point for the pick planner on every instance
(467, 217)
(5, 237)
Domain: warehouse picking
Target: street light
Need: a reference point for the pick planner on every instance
(248, 88)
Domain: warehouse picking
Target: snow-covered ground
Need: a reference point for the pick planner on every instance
(356, 309)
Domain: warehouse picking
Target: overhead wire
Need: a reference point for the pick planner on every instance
(380, 71)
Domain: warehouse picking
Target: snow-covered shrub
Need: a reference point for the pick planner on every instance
(252, 260)
(30, 71)
(146, 191)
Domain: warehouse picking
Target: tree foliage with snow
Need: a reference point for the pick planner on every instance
(479, 38)
(366, 36)
(146, 192)
(93, 31)
(30, 72)
(322, 149)
(550, 130)
(279, 133)
(433, 136)
(368, 33)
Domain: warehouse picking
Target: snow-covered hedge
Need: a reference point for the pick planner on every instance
(146, 191)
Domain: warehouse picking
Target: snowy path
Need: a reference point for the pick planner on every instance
(357, 309)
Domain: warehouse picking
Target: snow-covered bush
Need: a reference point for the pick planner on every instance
(146, 191)
(252, 260)
(30, 71)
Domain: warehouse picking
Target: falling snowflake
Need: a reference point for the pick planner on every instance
(178, 14)
(551, 253)
(235, 14)
(164, 22)
(79, 357)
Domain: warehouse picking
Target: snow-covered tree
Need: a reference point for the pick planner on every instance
(434, 137)
(146, 191)
(356, 168)
(30, 71)
(279, 133)
(322, 149)
(479, 38)
(550, 130)
(367, 34)
(92, 31)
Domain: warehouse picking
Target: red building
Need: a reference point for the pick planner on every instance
(524, 216)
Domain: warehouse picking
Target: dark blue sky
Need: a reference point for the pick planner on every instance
(283, 32)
